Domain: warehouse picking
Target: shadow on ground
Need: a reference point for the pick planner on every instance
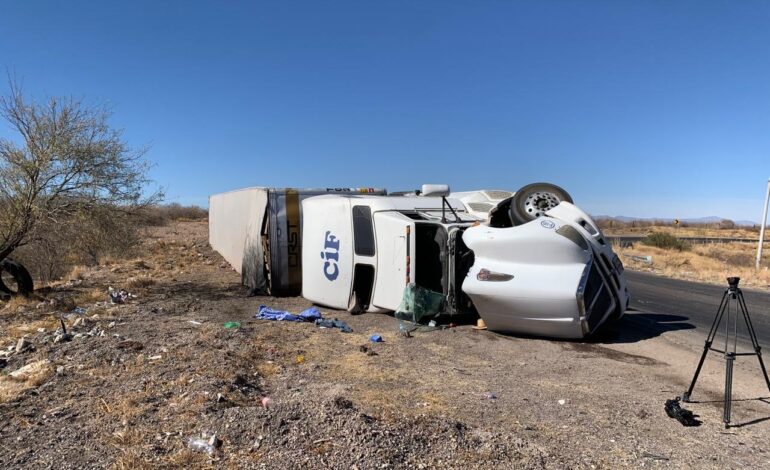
(639, 326)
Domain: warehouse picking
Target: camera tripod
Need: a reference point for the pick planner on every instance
(733, 296)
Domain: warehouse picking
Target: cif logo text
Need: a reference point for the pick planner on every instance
(331, 255)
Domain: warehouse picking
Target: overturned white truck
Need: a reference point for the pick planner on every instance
(535, 264)
(528, 262)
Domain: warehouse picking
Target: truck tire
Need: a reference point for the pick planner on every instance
(22, 284)
(533, 200)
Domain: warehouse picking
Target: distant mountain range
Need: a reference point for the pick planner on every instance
(698, 220)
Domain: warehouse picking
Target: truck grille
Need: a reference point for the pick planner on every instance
(597, 297)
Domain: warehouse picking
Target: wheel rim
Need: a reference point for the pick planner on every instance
(538, 203)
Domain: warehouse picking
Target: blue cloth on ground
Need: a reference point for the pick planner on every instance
(307, 315)
(334, 324)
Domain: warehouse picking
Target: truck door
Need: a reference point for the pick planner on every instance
(394, 233)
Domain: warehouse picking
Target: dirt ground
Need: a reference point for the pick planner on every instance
(141, 378)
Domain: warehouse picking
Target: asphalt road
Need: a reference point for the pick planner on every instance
(660, 304)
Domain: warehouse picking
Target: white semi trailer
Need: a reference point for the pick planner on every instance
(528, 262)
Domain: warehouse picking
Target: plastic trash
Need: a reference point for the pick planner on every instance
(376, 339)
(232, 324)
(489, 396)
(119, 296)
(201, 444)
(644, 259)
(79, 310)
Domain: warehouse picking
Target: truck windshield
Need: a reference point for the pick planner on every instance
(363, 231)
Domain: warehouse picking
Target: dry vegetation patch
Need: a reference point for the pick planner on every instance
(711, 263)
(139, 379)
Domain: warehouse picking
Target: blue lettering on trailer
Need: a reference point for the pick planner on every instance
(331, 254)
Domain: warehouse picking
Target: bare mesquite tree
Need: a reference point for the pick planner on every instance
(67, 160)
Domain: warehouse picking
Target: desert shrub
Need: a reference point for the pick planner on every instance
(161, 214)
(606, 223)
(665, 241)
(83, 238)
(726, 224)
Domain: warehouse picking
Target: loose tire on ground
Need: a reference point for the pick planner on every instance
(23, 281)
(533, 200)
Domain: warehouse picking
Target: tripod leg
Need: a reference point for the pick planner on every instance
(709, 339)
(730, 359)
(754, 341)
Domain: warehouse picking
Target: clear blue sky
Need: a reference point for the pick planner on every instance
(653, 108)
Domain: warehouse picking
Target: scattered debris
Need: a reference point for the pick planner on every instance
(489, 396)
(307, 315)
(644, 259)
(419, 304)
(684, 416)
(300, 359)
(61, 337)
(376, 339)
(334, 323)
(232, 325)
(119, 296)
(23, 345)
(208, 445)
(196, 323)
(265, 402)
(79, 310)
(562, 402)
(367, 349)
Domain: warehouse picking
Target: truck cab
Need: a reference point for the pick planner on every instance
(361, 251)
(551, 275)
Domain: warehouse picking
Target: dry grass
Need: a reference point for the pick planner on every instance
(17, 302)
(77, 273)
(705, 232)
(36, 373)
(132, 460)
(17, 330)
(705, 263)
(139, 282)
(186, 458)
(90, 296)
